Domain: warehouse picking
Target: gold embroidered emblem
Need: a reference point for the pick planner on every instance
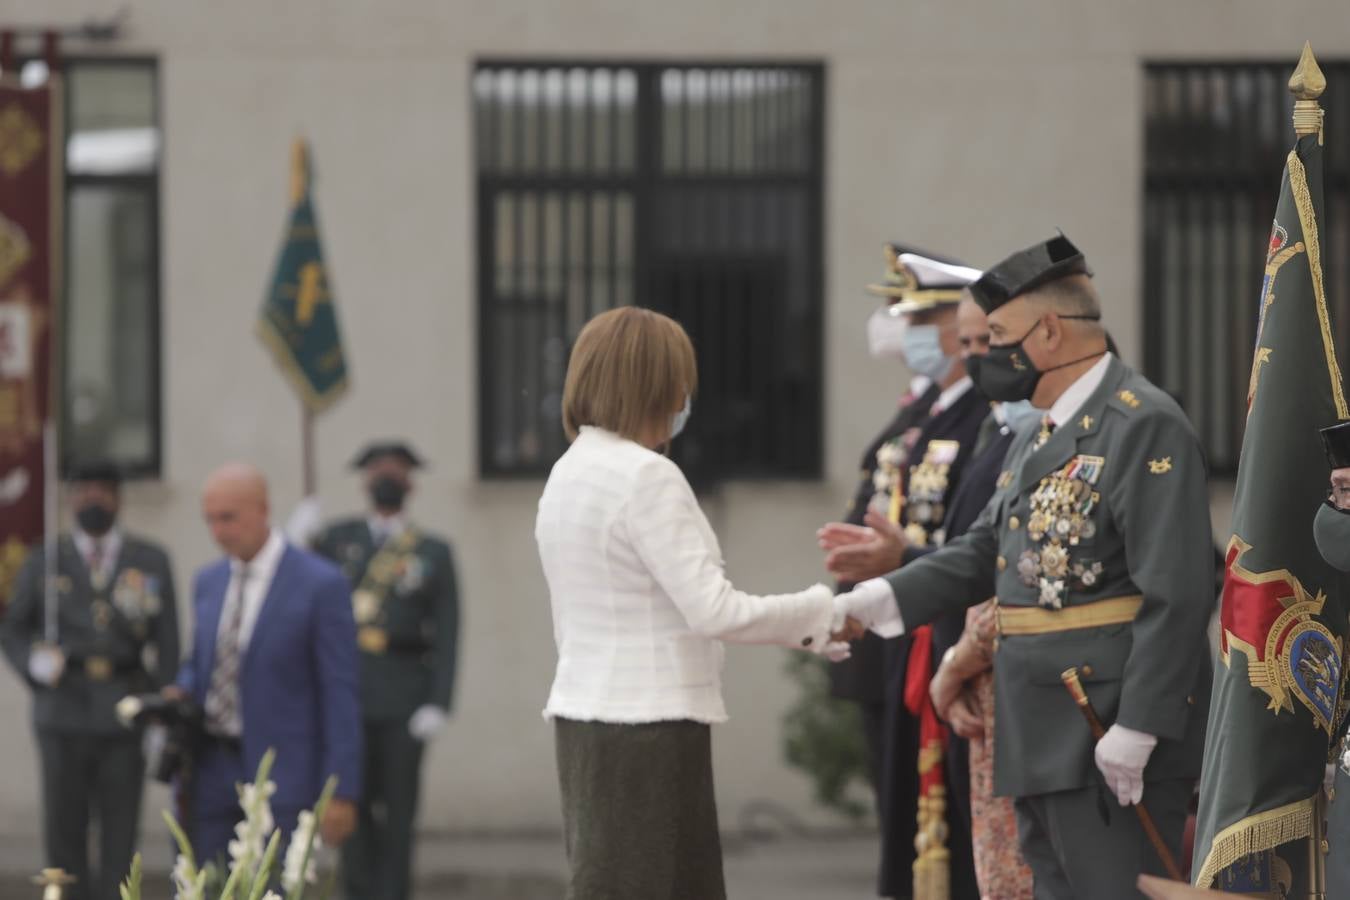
(1004, 479)
(20, 140)
(1087, 423)
(1160, 466)
(1129, 399)
(15, 249)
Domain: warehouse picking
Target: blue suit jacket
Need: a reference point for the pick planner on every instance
(299, 691)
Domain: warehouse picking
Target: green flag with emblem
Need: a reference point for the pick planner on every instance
(298, 321)
(1278, 680)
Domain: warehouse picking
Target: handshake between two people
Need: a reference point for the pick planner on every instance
(859, 554)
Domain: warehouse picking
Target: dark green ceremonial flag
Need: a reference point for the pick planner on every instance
(298, 321)
(1278, 681)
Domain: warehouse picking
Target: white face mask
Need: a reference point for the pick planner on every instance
(1017, 413)
(680, 419)
(886, 335)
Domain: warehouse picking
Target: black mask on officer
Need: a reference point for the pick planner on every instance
(388, 492)
(95, 519)
(1007, 373)
(1331, 531)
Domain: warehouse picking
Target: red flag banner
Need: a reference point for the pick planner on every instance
(31, 181)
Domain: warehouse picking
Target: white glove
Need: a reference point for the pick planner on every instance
(872, 603)
(305, 521)
(426, 722)
(1122, 754)
(836, 651)
(45, 665)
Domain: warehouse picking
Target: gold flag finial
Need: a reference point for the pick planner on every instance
(299, 170)
(1307, 84)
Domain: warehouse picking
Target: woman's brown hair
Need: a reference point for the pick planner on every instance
(631, 369)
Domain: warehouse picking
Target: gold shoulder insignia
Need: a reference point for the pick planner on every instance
(1129, 399)
(1004, 478)
(1160, 466)
(1087, 423)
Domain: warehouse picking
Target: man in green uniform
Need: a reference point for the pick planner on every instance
(1098, 547)
(407, 617)
(116, 633)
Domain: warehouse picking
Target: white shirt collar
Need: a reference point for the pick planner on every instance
(263, 565)
(109, 543)
(1072, 400)
(918, 385)
(387, 526)
(949, 397)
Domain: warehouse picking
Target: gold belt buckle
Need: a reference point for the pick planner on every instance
(98, 668)
(372, 640)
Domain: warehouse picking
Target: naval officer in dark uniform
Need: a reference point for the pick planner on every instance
(1097, 544)
(116, 634)
(928, 462)
(406, 603)
(861, 677)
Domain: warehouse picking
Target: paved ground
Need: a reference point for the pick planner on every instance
(824, 867)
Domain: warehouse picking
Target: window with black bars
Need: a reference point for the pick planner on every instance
(692, 189)
(110, 325)
(1216, 137)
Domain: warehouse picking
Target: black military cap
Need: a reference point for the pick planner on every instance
(380, 449)
(1027, 269)
(916, 279)
(95, 470)
(1336, 440)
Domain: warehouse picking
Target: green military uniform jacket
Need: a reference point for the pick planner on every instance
(119, 638)
(1113, 505)
(407, 616)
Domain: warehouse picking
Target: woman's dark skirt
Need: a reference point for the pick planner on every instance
(639, 818)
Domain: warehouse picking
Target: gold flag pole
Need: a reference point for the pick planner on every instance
(1307, 84)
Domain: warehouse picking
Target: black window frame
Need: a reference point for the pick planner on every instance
(152, 466)
(1236, 172)
(644, 174)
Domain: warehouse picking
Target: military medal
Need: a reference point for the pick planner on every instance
(365, 606)
(1061, 517)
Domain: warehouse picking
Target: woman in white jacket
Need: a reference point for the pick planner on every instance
(640, 606)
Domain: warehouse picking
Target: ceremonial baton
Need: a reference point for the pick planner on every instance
(1075, 689)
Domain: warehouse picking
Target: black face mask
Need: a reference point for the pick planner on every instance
(388, 492)
(95, 519)
(1007, 373)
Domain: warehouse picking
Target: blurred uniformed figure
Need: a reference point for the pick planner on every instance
(406, 604)
(117, 634)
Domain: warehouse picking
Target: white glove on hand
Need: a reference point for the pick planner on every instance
(305, 521)
(427, 722)
(46, 664)
(1122, 754)
(872, 603)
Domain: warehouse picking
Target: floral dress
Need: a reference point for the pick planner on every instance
(999, 868)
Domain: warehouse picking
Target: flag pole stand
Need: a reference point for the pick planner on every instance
(1317, 849)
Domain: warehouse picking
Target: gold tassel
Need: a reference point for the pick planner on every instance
(932, 861)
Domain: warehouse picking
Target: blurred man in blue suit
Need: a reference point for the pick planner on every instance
(273, 665)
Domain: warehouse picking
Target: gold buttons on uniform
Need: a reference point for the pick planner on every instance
(1086, 671)
(1014, 523)
(1002, 564)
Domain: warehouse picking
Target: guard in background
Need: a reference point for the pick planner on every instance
(117, 634)
(407, 616)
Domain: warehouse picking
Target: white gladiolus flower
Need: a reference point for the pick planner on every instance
(301, 842)
(246, 851)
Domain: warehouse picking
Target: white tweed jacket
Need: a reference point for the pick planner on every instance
(640, 599)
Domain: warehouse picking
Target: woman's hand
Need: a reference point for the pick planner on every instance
(966, 717)
(944, 688)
